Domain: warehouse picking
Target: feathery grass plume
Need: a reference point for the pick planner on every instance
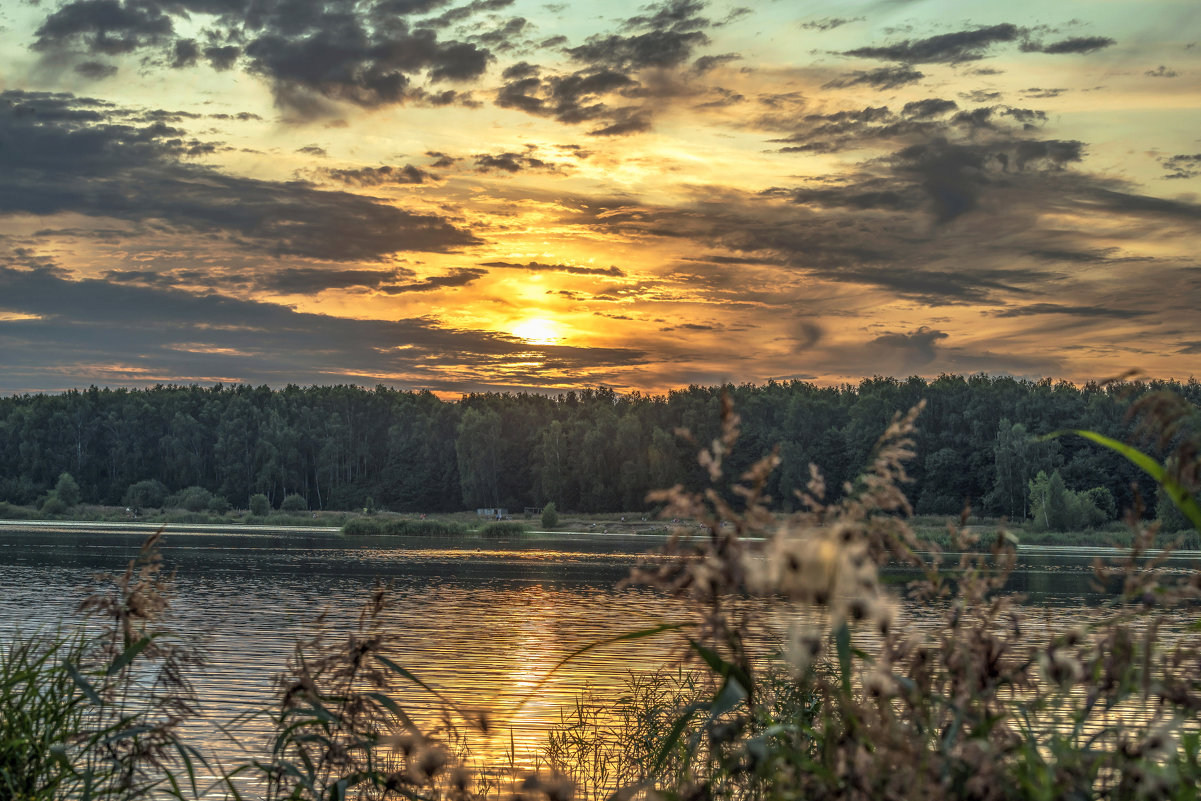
(340, 734)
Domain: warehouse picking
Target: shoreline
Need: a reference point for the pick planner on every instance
(83, 526)
(132, 527)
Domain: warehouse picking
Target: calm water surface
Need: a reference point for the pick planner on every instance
(485, 625)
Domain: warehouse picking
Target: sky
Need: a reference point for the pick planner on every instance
(502, 195)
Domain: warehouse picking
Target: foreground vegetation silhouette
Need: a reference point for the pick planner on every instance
(986, 700)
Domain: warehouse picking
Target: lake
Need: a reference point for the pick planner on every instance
(484, 623)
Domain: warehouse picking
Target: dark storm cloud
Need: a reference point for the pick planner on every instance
(949, 48)
(339, 59)
(385, 174)
(950, 162)
(572, 98)
(868, 194)
(440, 160)
(1077, 256)
(513, 162)
(108, 27)
(1029, 118)
(311, 280)
(607, 86)
(662, 49)
(881, 78)
(930, 107)
(184, 53)
(95, 70)
(626, 121)
(1078, 44)
(463, 12)
(505, 37)
(707, 63)
(1182, 165)
(1128, 203)
(981, 96)
(86, 334)
(241, 116)
(143, 278)
(1161, 72)
(406, 7)
(953, 175)
(1040, 93)
(63, 155)
(535, 266)
(222, 57)
(455, 278)
(918, 121)
(670, 15)
(939, 287)
(915, 348)
(352, 51)
(828, 23)
(1033, 309)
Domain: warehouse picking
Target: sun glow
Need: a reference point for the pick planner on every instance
(539, 331)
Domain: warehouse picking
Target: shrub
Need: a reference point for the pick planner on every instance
(1103, 499)
(503, 528)
(294, 503)
(10, 512)
(358, 526)
(53, 505)
(149, 492)
(1053, 506)
(19, 490)
(67, 489)
(550, 516)
(403, 527)
(259, 505)
(219, 505)
(193, 499)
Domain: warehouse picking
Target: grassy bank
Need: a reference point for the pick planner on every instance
(92, 513)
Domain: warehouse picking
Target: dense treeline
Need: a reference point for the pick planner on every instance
(593, 450)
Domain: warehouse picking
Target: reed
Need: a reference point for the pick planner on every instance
(403, 527)
(503, 529)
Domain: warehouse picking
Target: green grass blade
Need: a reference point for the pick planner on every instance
(677, 730)
(83, 684)
(842, 639)
(127, 656)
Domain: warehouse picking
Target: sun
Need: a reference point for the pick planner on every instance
(538, 331)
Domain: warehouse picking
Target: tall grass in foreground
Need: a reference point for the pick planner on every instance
(403, 527)
(96, 713)
(989, 704)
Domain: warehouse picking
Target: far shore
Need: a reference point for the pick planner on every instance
(136, 527)
(251, 528)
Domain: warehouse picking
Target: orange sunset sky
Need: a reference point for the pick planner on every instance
(511, 195)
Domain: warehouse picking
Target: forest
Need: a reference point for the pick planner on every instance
(590, 450)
